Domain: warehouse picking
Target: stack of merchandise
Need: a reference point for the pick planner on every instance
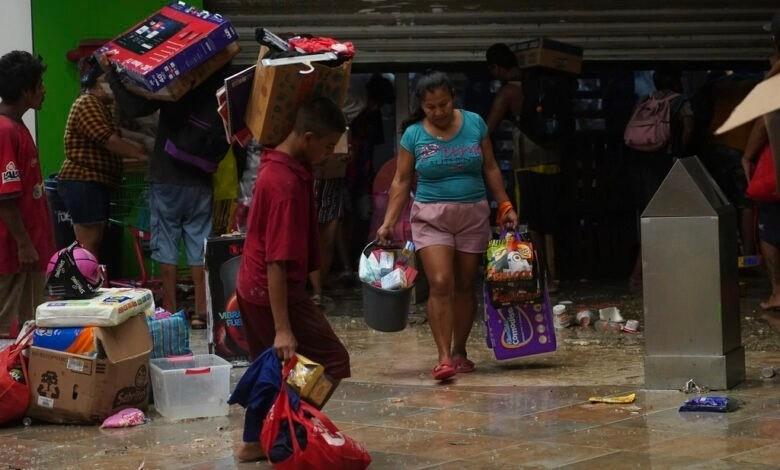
(289, 73)
(388, 269)
(172, 51)
(90, 356)
(518, 315)
(170, 333)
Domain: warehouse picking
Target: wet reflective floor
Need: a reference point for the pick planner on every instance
(528, 413)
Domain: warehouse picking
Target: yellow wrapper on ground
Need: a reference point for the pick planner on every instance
(621, 400)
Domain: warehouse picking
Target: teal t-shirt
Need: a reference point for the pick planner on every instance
(448, 170)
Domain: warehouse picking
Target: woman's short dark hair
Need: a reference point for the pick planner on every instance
(500, 54)
(429, 82)
(20, 71)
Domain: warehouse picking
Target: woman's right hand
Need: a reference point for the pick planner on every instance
(385, 234)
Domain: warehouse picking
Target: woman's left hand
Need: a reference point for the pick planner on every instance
(509, 220)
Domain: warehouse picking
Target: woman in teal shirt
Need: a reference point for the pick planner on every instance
(450, 151)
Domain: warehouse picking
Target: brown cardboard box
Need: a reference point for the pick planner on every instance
(178, 88)
(546, 53)
(335, 166)
(68, 388)
(278, 92)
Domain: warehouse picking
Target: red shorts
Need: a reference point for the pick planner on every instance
(315, 337)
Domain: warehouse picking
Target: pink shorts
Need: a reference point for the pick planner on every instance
(463, 226)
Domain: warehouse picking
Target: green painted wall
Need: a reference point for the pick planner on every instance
(58, 26)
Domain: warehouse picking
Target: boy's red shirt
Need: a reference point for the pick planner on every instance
(282, 226)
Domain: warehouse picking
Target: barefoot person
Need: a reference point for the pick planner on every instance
(450, 151)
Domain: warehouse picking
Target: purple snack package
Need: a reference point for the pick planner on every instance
(709, 404)
(520, 330)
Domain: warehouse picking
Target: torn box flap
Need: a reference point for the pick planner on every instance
(126, 341)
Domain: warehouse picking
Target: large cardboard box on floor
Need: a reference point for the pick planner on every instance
(278, 91)
(168, 44)
(68, 388)
(549, 54)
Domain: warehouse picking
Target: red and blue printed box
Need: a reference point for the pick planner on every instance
(169, 43)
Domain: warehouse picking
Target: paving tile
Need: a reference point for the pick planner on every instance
(704, 447)
(430, 445)
(389, 461)
(376, 413)
(634, 460)
(528, 455)
(614, 437)
(769, 455)
(367, 392)
(716, 424)
(25, 453)
(446, 398)
(498, 425)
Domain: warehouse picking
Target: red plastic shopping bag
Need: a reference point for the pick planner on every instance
(14, 392)
(763, 184)
(305, 438)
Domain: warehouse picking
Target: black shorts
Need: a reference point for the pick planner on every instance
(769, 223)
(87, 202)
(539, 201)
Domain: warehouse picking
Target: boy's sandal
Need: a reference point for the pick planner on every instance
(462, 365)
(444, 371)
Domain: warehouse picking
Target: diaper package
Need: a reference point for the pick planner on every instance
(110, 307)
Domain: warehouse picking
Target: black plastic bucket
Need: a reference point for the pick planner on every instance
(385, 310)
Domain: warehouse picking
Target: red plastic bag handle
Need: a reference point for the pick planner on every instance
(201, 371)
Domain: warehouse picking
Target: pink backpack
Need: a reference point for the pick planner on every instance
(649, 129)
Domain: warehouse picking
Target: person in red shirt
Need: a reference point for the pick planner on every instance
(281, 250)
(26, 235)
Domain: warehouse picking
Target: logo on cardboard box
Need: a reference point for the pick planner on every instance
(48, 387)
(136, 393)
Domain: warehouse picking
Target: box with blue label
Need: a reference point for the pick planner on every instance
(110, 307)
(88, 386)
(168, 44)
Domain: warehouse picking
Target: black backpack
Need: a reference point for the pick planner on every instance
(547, 113)
(196, 133)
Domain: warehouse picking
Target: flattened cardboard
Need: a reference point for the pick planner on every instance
(763, 99)
(68, 388)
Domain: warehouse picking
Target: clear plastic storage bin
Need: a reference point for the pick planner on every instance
(191, 386)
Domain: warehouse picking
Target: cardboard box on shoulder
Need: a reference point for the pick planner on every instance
(279, 91)
(189, 80)
(549, 54)
(168, 44)
(335, 165)
(69, 388)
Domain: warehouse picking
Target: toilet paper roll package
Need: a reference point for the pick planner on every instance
(110, 307)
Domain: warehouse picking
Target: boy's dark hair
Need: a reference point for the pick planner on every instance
(320, 116)
(500, 54)
(20, 71)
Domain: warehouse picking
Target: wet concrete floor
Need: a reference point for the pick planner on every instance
(528, 413)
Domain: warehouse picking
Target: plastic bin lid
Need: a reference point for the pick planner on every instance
(189, 362)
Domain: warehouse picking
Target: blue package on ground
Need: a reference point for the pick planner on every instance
(711, 404)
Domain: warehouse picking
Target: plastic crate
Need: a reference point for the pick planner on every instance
(191, 386)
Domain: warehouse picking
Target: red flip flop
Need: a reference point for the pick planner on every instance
(444, 371)
(462, 365)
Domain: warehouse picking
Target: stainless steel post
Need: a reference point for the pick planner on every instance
(691, 290)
